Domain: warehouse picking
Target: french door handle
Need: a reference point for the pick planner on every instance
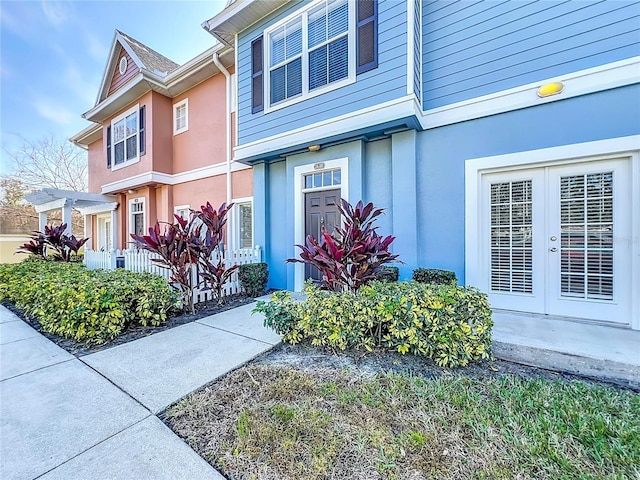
(554, 238)
(553, 249)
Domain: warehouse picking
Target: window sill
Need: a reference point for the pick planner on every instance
(115, 167)
(318, 91)
(178, 132)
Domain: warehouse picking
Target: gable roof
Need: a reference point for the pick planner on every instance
(143, 56)
(150, 59)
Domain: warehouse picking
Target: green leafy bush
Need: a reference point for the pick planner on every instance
(434, 275)
(388, 274)
(449, 324)
(253, 278)
(89, 306)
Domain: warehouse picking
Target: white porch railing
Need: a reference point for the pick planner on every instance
(141, 261)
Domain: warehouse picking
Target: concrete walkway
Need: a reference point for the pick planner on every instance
(605, 352)
(94, 417)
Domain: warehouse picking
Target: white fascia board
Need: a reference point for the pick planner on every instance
(384, 112)
(117, 96)
(53, 205)
(169, 179)
(603, 77)
(96, 209)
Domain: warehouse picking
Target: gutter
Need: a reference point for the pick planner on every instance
(227, 76)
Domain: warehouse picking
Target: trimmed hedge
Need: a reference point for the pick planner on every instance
(388, 274)
(434, 275)
(253, 278)
(449, 324)
(91, 306)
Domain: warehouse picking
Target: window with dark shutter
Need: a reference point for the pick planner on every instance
(367, 35)
(257, 68)
(108, 147)
(142, 121)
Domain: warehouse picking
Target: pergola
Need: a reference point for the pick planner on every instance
(87, 204)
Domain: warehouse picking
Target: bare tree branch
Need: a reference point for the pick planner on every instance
(50, 162)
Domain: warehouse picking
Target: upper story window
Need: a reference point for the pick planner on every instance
(126, 138)
(181, 116)
(317, 49)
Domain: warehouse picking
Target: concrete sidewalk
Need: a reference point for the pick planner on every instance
(595, 350)
(94, 417)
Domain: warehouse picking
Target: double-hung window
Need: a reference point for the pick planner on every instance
(125, 138)
(310, 52)
(181, 116)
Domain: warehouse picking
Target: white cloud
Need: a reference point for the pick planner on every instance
(83, 88)
(52, 110)
(56, 13)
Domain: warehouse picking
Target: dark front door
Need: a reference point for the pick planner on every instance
(321, 209)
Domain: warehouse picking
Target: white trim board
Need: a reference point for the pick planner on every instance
(604, 77)
(628, 147)
(384, 112)
(172, 179)
(298, 205)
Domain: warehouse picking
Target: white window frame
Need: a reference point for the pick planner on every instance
(104, 239)
(182, 103)
(306, 94)
(132, 213)
(181, 208)
(236, 221)
(136, 159)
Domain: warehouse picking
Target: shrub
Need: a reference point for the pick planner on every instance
(65, 247)
(433, 275)
(253, 278)
(388, 274)
(188, 243)
(449, 324)
(351, 255)
(88, 306)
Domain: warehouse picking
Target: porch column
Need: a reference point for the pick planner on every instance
(42, 220)
(87, 232)
(260, 208)
(404, 188)
(114, 228)
(66, 216)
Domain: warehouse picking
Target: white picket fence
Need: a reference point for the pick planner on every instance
(141, 261)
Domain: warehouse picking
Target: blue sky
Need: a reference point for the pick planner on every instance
(53, 55)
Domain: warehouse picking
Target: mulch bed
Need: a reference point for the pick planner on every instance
(80, 349)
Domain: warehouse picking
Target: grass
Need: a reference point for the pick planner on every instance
(267, 422)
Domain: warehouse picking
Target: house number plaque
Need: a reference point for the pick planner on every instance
(318, 166)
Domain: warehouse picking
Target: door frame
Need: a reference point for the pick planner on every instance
(298, 207)
(621, 148)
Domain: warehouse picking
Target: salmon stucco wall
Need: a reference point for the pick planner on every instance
(242, 183)
(97, 165)
(160, 126)
(204, 142)
(100, 175)
(198, 192)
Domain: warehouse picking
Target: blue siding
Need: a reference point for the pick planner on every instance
(440, 180)
(443, 151)
(472, 49)
(385, 83)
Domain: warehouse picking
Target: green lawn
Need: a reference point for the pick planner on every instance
(267, 422)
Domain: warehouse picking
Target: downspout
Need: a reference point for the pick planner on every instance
(227, 76)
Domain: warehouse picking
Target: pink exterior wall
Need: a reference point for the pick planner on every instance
(97, 165)
(242, 183)
(198, 192)
(204, 142)
(160, 122)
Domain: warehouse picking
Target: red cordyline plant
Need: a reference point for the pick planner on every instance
(189, 244)
(65, 246)
(350, 256)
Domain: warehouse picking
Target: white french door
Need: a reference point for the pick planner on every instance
(557, 240)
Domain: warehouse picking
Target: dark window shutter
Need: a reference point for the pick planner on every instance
(367, 35)
(108, 147)
(141, 130)
(257, 69)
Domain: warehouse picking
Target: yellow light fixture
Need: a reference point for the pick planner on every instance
(314, 148)
(549, 89)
